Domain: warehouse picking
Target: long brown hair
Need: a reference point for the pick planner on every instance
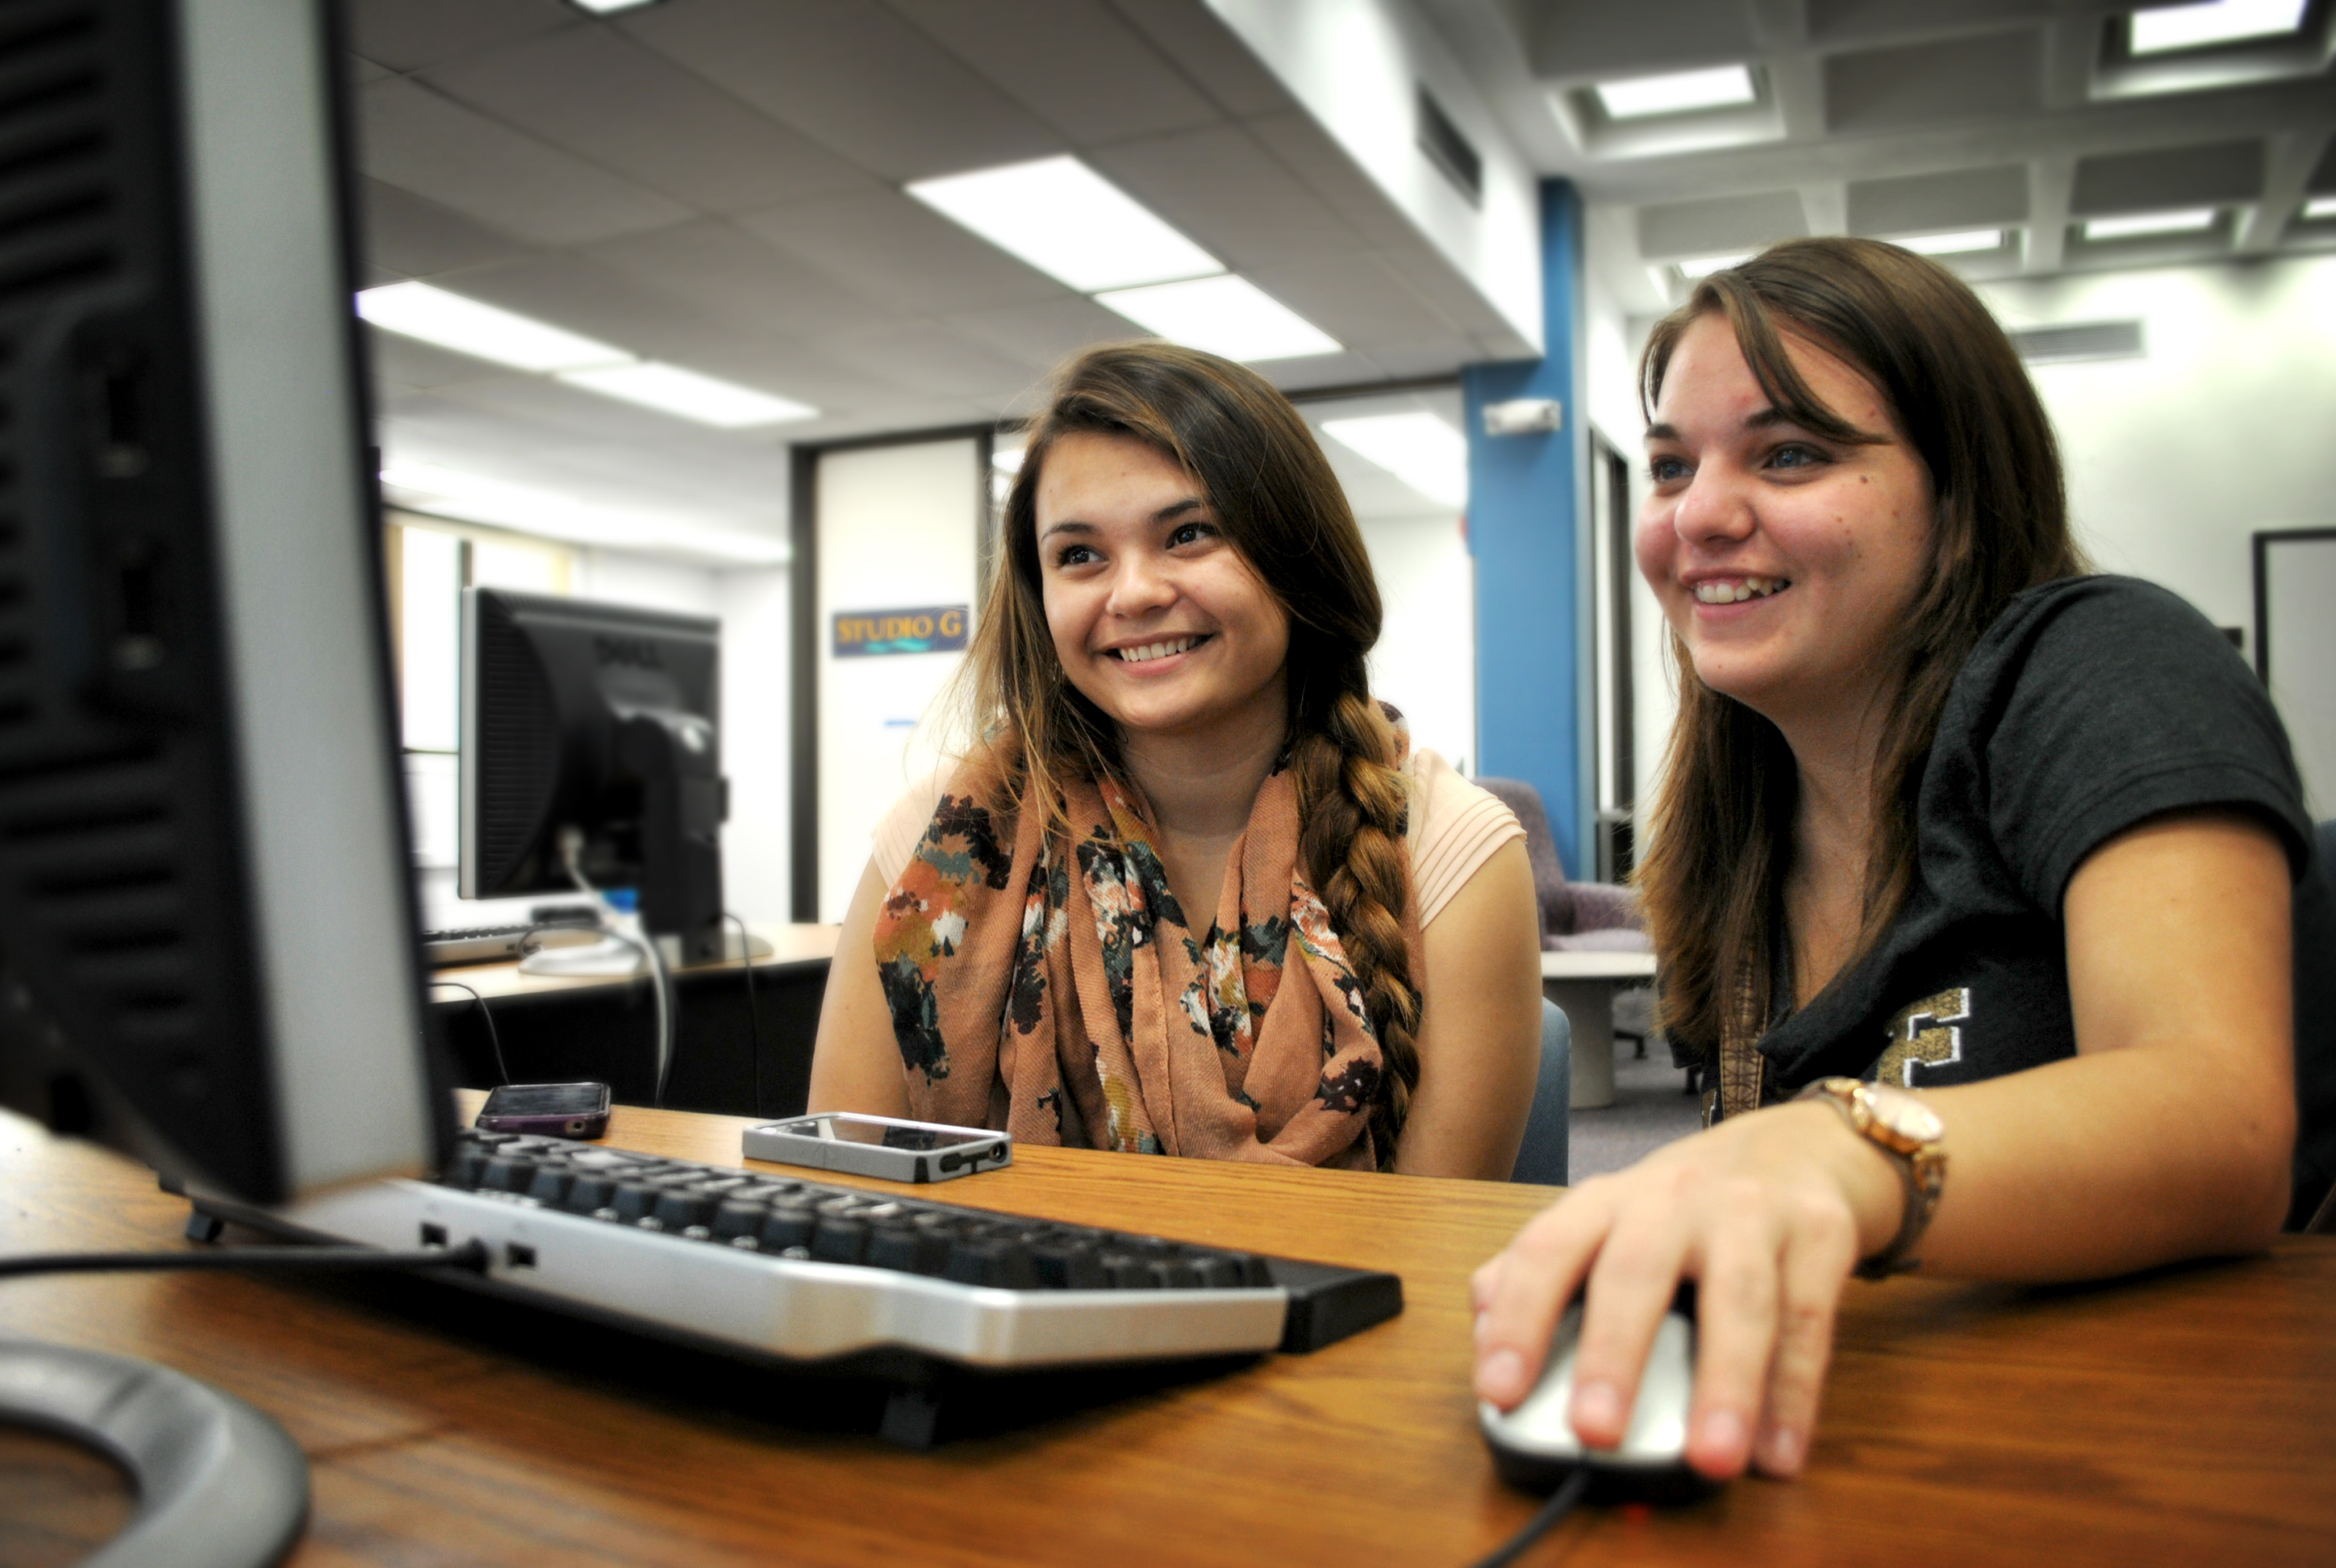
(1274, 495)
(1722, 825)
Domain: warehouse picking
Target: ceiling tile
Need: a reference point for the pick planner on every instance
(599, 94)
(1960, 198)
(2217, 172)
(1720, 224)
(2324, 173)
(1188, 32)
(1042, 336)
(582, 295)
(715, 265)
(891, 248)
(1231, 196)
(852, 76)
(408, 35)
(1570, 40)
(1989, 76)
(1357, 298)
(1864, 21)
(416, 239)
(930, 360)
(1074, 63)
(433, 146)
(362, 70)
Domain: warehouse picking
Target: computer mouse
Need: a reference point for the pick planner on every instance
(1534, 1447)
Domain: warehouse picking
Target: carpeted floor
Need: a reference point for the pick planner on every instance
(1649, 1110)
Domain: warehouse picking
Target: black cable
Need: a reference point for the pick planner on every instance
(1561, 1503)
(753, 1013)
(494, 1038)
(470, 1255)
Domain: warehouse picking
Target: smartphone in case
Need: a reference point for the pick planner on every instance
(886, 1147)
(547, 1110)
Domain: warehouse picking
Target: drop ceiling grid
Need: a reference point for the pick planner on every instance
(712, 182)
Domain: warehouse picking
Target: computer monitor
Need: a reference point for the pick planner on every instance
(591, 726)
(206, 928)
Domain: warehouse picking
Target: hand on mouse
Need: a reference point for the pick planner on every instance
(1767, 1211)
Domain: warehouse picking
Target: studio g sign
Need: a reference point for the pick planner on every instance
(937, 629)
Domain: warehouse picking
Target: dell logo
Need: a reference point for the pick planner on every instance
(636, 651)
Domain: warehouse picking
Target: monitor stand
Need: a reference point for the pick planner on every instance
(219, 1484)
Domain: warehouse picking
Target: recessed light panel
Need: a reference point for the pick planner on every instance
(1067, 221)
(1418, 448)
(670, 389)
(1958, 244)
(475, 498)
(603, 7)
(2163, 30)
(467, 327)
(1703, 267)
(2137, 225)
(1679, 92)
(1229, 315)
(2318, 208)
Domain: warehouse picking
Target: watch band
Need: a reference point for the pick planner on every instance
(1919, 1157)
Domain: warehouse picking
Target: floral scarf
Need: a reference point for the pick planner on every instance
(1058, 990)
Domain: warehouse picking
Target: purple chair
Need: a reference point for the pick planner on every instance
(1574, 916)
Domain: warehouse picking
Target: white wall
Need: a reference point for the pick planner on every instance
(2227, 425)
(899, 527)
(1425, 661)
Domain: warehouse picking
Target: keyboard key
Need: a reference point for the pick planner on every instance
(634, 1201)
(549, 1185)
(787, 1227)
(907, 1249)
(1066, 1265)
(983, 1261)
(839, 1240)
(588, 1194)
(504, 1174)
(737, 1217)
(679, 1209)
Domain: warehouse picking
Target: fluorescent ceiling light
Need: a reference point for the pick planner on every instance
(1067, 221)
(1679, 92)
(474, 497)
(603, 7)
(2172, 27)
(1006, 460)
(467, 327)
(1418, 448)
(1705, 266)
(2188, 220)
(1955, 244)
(670, 389)
(2318, 208)
(1229, 315)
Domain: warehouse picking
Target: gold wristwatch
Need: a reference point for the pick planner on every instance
(1910, 1134)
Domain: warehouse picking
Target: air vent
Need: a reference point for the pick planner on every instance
(2080, 340)
(1449, 151)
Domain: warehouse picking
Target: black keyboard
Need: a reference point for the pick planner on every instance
(760, 1261)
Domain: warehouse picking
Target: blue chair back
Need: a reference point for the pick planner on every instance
(1543, 1155)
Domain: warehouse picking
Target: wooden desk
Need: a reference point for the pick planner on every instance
(1583, 984)
(2182, 1419)
(559, 1027)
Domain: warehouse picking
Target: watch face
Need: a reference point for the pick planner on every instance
(1905, 1115)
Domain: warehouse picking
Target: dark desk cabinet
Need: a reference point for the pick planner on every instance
(607, 1033)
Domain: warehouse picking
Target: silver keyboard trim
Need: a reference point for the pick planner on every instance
(797, 1309)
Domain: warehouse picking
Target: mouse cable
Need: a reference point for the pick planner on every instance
(494, 1038)
(754, 1012)
(1561, 1503)
(471, 1256)
(571, 854)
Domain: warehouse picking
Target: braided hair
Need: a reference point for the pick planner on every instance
(1279, 503)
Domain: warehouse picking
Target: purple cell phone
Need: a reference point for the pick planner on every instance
(547, 1110)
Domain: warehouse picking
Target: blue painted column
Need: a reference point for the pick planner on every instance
(1526, 505)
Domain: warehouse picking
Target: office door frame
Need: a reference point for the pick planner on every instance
(804, 635)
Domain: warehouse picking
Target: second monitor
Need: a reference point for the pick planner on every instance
(589, 750)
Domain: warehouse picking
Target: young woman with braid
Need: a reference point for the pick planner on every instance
(1188, 890)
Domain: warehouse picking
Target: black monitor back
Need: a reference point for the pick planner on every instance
(207, 941)
(598, 719)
